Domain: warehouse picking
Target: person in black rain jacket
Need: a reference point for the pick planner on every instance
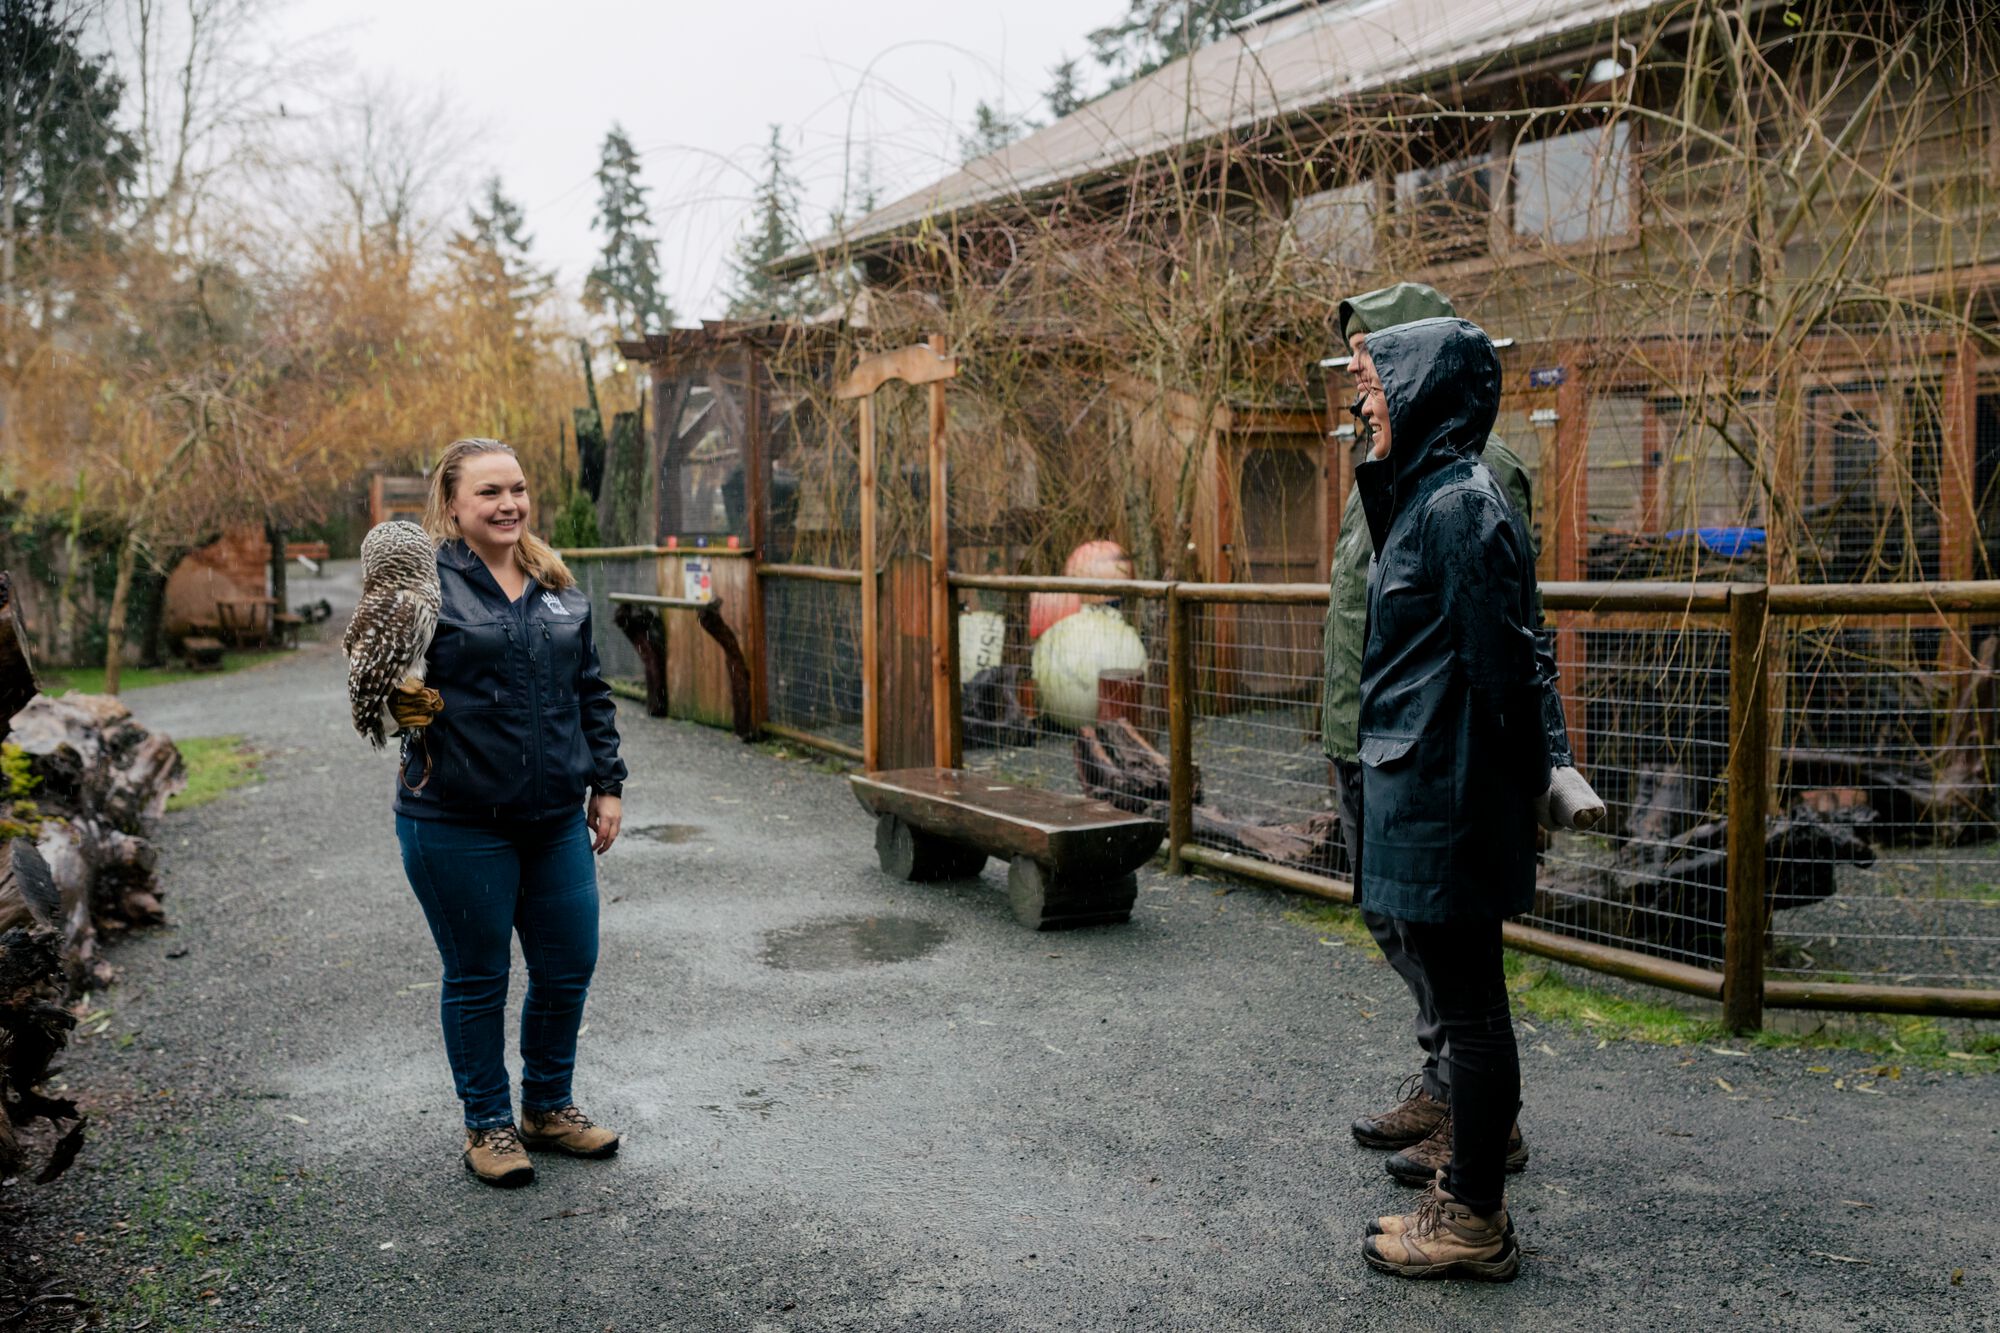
(1454, 753)
(500, 804)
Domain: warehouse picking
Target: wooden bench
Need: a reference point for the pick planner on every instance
(285, 626)
(1070, 860)
(202, 653)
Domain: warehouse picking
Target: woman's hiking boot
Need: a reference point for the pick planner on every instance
(1409, 1121)
(1444, 1238)
(495, 1155)
(1420, 1163)
(1395, 1224)
(566, 1130)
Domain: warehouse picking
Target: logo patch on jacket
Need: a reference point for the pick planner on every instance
(554, 603)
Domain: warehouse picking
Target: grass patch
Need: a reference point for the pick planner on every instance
(215, 764)
(90, 680)
(1542, 993)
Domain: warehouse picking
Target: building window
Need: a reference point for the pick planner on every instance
(1574, 187)
(1446, 208)
(1338, 226)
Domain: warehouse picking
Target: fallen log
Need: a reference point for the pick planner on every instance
(102, 779)
(1673, 890)
(1914, 800)
(34, 1025)
(990, 711)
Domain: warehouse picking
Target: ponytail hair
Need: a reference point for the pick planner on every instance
(535, 556)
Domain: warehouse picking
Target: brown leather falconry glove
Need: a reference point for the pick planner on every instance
(413, 704)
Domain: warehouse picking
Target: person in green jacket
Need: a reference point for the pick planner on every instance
(1418, 1126)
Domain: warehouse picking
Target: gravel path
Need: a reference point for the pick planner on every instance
(851, 1103)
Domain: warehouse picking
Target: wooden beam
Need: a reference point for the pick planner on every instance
(871, 590)
(1582, 953)
(943, 714)
(757, 501)
(1180, 731)
(1958, 519)
(915, 364)
(1746, 914)
(1569, 519)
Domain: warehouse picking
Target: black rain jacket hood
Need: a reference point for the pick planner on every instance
(1453, 750)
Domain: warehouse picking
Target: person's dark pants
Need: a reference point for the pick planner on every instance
(1482, 1065)
(1347, 795)
(479, 884)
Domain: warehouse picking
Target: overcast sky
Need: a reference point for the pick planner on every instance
(697, 86)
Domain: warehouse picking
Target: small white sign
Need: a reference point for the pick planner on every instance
(697, 578)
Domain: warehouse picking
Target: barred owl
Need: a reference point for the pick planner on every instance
(392, 627)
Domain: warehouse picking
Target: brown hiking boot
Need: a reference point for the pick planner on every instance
(1420, 1163)
(1444, 1238)
(496, 1157)
(568, 1131)
(1408, 1122)
(1399, 1223)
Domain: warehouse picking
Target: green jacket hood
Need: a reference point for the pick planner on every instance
(1386, 307)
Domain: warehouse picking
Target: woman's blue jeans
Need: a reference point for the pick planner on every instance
(479, 885)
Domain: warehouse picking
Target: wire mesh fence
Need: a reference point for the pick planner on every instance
(1884, 766)
(1037, 668)
(812, 656)
(1648, 713)
(1882, 852)
(598, 576)
(1264, 777)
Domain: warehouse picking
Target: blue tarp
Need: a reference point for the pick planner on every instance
(1725, 542)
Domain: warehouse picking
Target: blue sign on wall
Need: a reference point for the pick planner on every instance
(1546, 377)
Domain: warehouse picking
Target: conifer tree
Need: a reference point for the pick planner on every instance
(992, 130)
(493, 262)
(1064, 95)
(1153, 33)
(773, 233)
(64, 166)
(625, 285)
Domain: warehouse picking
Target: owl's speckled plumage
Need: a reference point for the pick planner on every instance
(393, 623)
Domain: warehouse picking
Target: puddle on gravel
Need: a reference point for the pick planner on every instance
(849, 941)
(669, 832)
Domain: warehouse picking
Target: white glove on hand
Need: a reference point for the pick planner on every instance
(1570, 804)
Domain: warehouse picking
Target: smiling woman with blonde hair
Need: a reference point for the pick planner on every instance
(524, 783)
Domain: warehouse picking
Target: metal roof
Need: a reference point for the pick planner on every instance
(1299, 59)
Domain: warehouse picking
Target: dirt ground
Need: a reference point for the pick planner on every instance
(852, 1103)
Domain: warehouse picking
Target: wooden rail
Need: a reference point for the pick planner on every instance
(1612, 961)
(810, 573)
(643, 552)
(825, 743)
(1065, 583)
(676, 603)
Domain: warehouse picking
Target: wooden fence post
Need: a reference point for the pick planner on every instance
(871, 591)
(1180, 729)
(1745, 912)
(944, 704)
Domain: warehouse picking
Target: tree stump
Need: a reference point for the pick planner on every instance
(1044, 899)
(918, 857)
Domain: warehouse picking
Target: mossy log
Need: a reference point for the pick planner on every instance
(102, 779)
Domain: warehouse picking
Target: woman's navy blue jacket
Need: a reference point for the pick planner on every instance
(528, 724)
